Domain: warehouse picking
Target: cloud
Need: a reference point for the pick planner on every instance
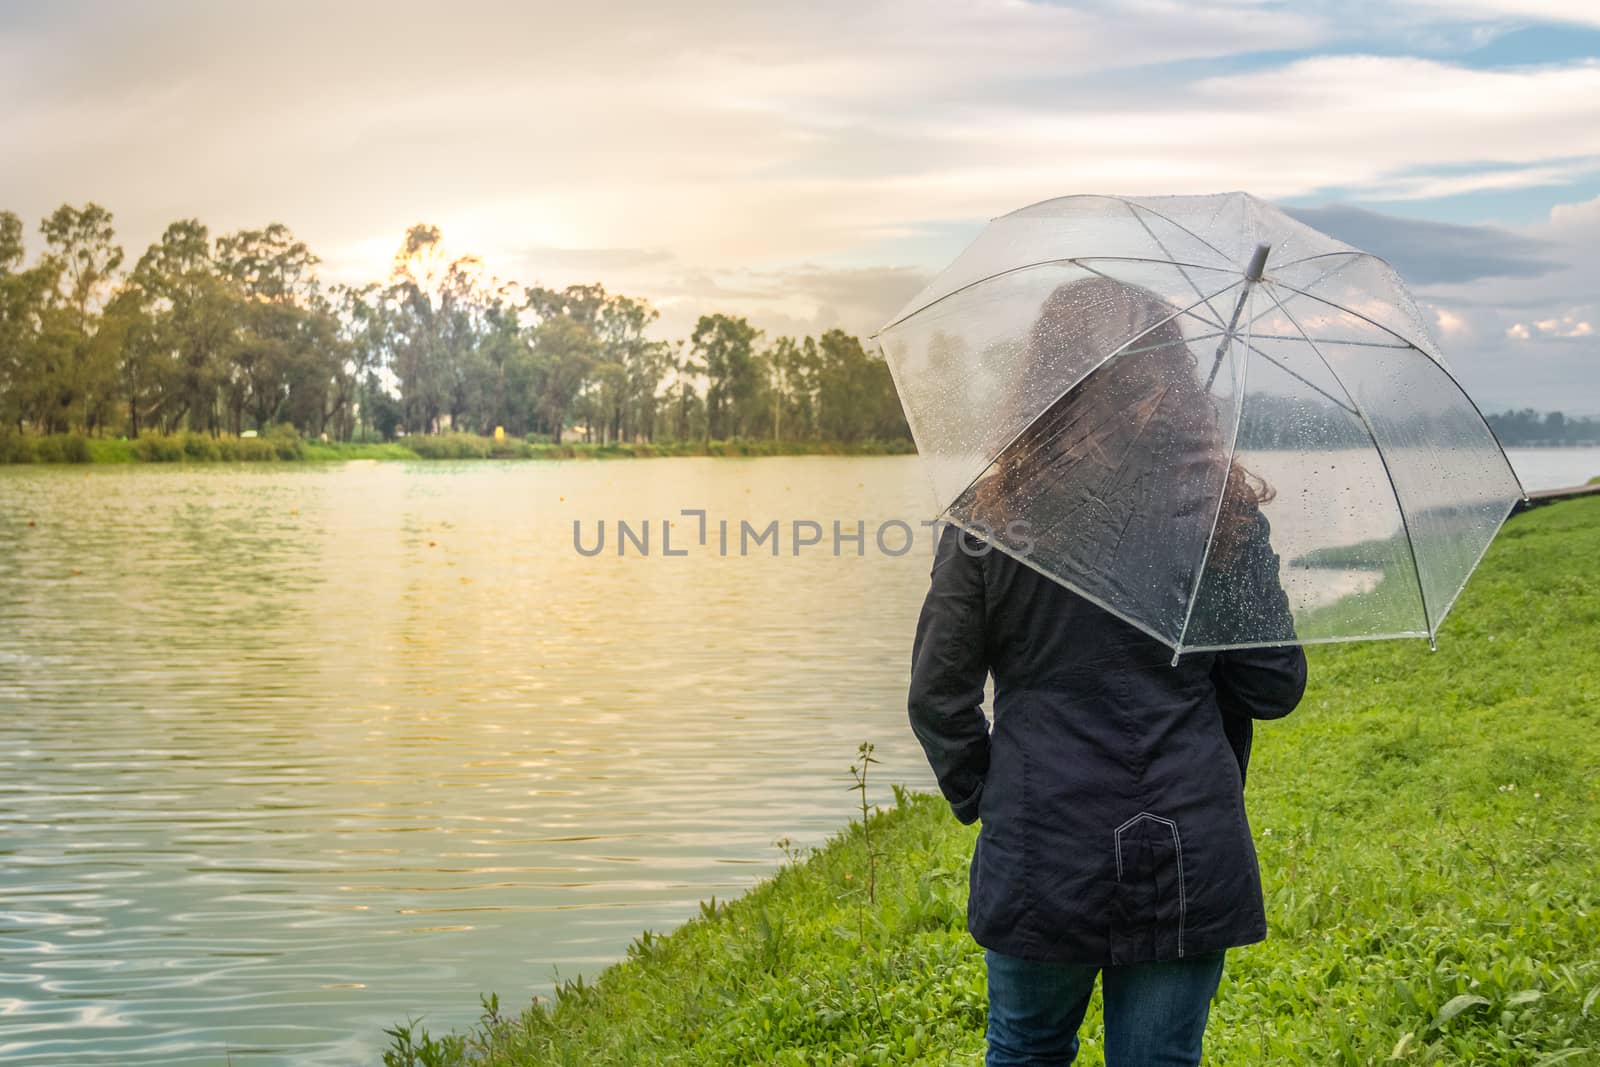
(1576, 216)
(1573, 12)
(1427, 186)
(1567, 327)
(1564, 327)
(1449, 323)
(807, 299)
(1425, 252)
(589, 259)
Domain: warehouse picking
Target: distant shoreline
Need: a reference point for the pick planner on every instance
(1553, 444)
(276, 447)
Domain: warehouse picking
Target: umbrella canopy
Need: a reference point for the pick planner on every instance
(1223, 426)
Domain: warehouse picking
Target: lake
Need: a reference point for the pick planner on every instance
(294, 752)
(1554, 468)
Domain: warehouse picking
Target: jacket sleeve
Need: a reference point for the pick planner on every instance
(1262, 683)
(948, 670)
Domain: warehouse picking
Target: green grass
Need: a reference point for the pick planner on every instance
(347, 450)
(1428, 840)
(283, 444)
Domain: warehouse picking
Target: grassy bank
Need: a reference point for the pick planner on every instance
(286, 447)
(1428, 838)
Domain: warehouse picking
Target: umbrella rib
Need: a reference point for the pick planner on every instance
(1340, 404)
(1352, 254)
(1436, 362)
(1481, 553)
(1329, 255)
(1275, 361)
(1405, 522)
(1129, 201)
(1308, 641)
(1173, 222)
(1204, 299)
(1222, 496)
(1406, 341)
(1318, 280)
(1134, 211)
(1077, 261)
(1027, 561)
(1332, 341)
(1224, 201)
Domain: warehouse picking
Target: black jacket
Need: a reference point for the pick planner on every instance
(1111, 787)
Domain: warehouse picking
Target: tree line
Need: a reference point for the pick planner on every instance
(237, 333)
(1529, 427)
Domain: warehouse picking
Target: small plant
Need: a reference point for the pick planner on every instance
(858, 771)
(412, 1046)
(791, 852)
(491, 1005)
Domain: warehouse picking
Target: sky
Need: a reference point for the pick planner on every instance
(812, 165)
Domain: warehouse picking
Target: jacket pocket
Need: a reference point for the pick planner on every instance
(1149, 904)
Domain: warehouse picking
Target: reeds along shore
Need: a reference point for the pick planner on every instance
(285, 445)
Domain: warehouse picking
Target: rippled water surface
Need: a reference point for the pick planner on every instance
(291, 753)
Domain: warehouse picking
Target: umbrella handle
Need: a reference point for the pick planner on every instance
(1252, 273)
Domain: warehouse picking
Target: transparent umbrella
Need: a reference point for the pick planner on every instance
(1217, 423)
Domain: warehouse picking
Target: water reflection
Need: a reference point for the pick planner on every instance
(295, 752)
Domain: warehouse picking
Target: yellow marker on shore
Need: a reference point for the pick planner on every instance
(499, 435)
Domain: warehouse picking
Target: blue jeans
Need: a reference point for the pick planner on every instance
(1155, 1012)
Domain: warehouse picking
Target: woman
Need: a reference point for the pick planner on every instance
(1114, 838)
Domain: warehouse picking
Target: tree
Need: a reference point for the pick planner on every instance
(439, 316)
(630, 368)
(363, 333)
(508, 367)
(564, 351)
(685, 407)
(468, 297)
(194, 324)
(24, 297)
(785, 365)
(285, 357)
(416, 332)
(855, 397)
(81, 247)
(724, 344)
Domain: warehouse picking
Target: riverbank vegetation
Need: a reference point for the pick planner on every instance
(1427, 829)
(283, 445)
(234, 333)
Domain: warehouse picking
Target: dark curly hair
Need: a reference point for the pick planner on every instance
(1143, 380)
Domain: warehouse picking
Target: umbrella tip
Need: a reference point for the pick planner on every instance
(1258, 263)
